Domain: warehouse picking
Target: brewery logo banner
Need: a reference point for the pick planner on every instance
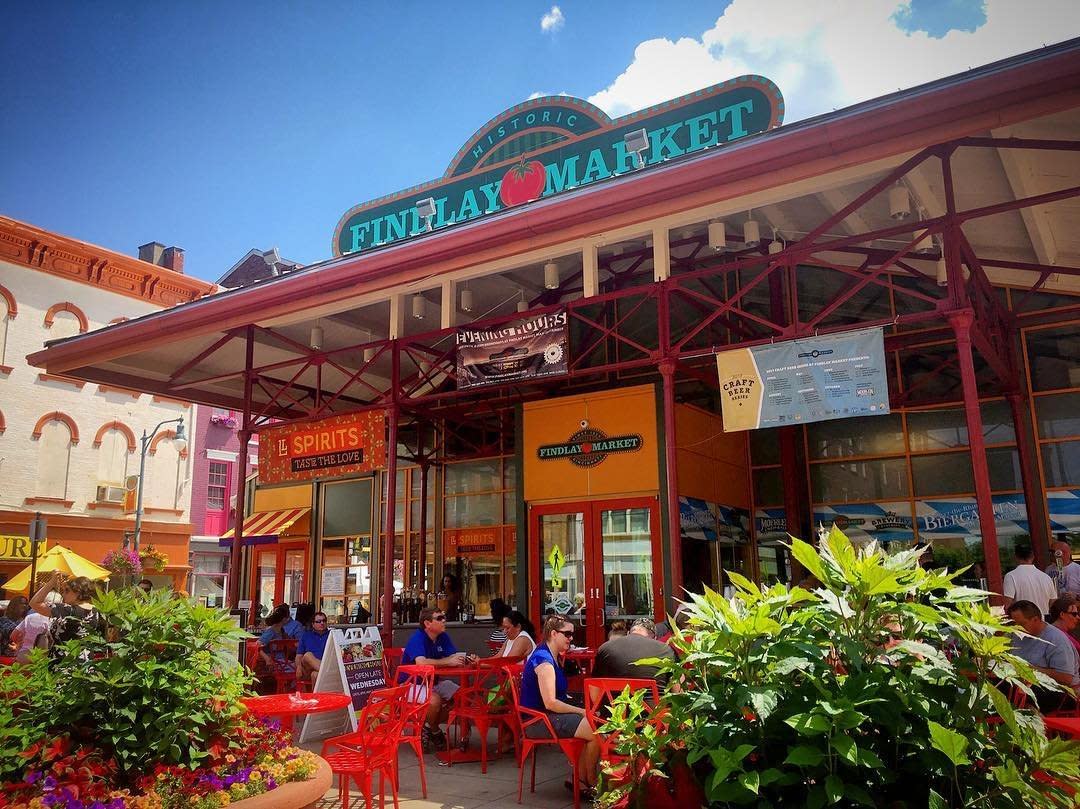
(813, 379)
(530, 348)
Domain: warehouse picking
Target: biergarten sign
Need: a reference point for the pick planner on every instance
(525, 349)
(554, 144)
(835, 376)
(340, 445)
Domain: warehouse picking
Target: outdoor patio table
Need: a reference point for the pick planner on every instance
(585, 658)
(1063, 724)
(283, 706)
(463, 674)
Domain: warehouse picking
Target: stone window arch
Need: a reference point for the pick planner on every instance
(66, 320)
(115, 443)
(8, 311)
(165, 472)
(56, 434)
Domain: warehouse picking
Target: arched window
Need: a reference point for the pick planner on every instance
(8, 310)
(55, 439)
(115, 443)
(164, 472)
(65, 320)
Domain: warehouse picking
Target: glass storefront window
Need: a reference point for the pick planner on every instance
(846, 438)
(473, 510)
(884, 479)
(1061, 463)
(1058, 416)
(945, 473)
(473, 476)
(345, 551)
(1054, 355)
(930, 430)
(1004, 464)
(765, 447)
(768, 487)
(209, 577)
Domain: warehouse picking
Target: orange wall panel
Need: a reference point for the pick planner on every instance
(712, 464)
(615, 413)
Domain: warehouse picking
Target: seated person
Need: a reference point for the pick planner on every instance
(431, 646)
(518, 631)
(295, 626)
(275, 630)
(616, 629)
(13, 615)
(310, 649)
(543, 688)
(32, 631)
(145, 585)
(618, 657)
(499, 610)
(1047, 650)
(1065, 615)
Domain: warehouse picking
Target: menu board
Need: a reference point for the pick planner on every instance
(352, 664)
(333, 581)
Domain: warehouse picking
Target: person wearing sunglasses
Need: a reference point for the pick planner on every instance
(1047, 649)
(1065, 615)
(430, 645)
(312, 646)
(543, 688)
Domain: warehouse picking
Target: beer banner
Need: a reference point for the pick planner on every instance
(836, 376)
(530, 348)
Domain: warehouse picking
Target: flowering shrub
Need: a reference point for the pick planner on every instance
(144, 715)
(879, 689)
(224, 420)
(152, 559)
(123, 562)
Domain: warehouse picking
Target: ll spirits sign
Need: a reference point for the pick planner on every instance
(553, 144)
(336, 446)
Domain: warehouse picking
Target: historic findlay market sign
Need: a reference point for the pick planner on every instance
(589, 447)
(557, 143)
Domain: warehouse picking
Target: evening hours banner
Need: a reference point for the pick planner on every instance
(813, 379)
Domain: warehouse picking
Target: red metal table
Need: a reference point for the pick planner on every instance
(1063, 724)
(463, 673)
(287, 708)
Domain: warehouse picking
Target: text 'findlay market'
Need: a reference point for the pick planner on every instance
(721, 114)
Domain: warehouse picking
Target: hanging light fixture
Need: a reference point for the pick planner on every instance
(418, 306)
(717, 235)
(551, 275)
(369, 351)
(776, 245)
(942, 273)
(751, 232)
(316, 341)
(899, 201)
(522, 305)
(466, 298)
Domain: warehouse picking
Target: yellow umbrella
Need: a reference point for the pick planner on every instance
(57, 559)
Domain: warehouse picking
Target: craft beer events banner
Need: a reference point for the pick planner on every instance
(813, 379)
(340, 445)
(530, 348)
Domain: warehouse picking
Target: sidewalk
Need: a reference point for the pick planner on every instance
(463, 786)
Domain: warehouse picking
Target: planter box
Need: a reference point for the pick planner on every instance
(296, 795)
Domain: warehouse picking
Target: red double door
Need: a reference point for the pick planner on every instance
(596, 561)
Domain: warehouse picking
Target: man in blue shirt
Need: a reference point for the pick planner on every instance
(310, 649)
(431, 646)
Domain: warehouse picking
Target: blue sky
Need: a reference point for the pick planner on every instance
(219, 127)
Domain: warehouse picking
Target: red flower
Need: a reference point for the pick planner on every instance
(59, 747)
(749, 715)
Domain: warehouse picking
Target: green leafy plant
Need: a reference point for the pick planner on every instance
(155, 686)
(886, 687)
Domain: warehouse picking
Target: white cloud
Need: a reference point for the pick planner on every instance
(544, 95)
(553, 20)
(828, 55)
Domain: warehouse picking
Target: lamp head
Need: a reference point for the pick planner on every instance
(180, 439)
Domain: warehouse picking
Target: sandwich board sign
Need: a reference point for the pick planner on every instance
(352, 664)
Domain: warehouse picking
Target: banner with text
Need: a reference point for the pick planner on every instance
(340, 445)
(530, 348)
(836, 376)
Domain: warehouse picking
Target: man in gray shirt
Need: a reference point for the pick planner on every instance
(1047, 649)
(618, 657)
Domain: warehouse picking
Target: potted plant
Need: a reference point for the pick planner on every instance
(124, 564)
(145, 715)
(885, 687)
(152, 560)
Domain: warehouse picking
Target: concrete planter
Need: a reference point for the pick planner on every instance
(295, 795)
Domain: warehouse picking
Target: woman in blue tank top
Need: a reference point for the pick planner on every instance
(543, 688)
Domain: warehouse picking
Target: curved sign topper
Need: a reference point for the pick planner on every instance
(557, 143)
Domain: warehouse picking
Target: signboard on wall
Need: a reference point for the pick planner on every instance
(529, 348)
(862, 522)
(835, 376)
(700, 519)
(554, 144)
(353, 443)
(485, 541)
(16, 548)
(959, 516)
(352, 664)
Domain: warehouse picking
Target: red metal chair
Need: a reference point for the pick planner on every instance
(419, 680)
(571, 748)
(600, 693)
(283, 668)
(391, 659)
(495, 645)
(371, 748)
(484, 703)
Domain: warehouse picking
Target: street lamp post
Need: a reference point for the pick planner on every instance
(181, 443)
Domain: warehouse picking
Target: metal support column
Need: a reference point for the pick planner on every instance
(1029, 477)
(961, 323)
(241, 475)
(667, 374)
(390, 505)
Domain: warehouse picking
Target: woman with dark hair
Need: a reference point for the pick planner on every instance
(1065, 615)
(519, 631)
(75, 616)
(296, 627)
(499, 609)
(275, 630)
(543, 688)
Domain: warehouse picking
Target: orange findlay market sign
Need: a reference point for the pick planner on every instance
(553, 144)
(340, 445)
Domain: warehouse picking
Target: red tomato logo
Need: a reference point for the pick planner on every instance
(522, 183)
(586, 448)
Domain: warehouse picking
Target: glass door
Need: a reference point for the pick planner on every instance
(279, 577)
(596, 562)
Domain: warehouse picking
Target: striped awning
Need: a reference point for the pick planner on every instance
(268, 523)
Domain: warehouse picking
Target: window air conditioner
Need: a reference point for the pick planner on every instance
(110, 494)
